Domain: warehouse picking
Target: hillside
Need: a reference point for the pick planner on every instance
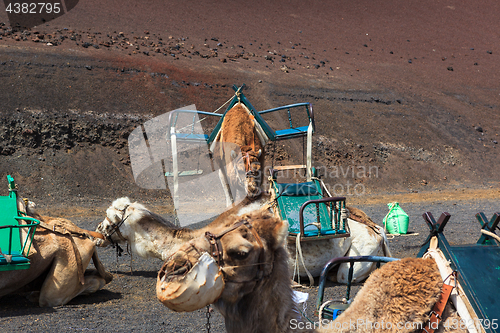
(406, 97)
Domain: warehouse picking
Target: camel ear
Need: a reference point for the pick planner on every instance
(233, 154)
(281, 232)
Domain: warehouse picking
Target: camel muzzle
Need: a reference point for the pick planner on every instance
(182, 286)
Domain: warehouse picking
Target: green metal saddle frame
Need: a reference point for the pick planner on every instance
(294, 130)
(308, 212)
(478, 266)
(12, 247)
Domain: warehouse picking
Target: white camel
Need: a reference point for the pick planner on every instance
(150, 235)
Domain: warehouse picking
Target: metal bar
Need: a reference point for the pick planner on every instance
(198, 112)
(305, 204)
(349, 281)
(318, 220)
(285, 107)
(10, 241)
(289, 167)
(309, 152)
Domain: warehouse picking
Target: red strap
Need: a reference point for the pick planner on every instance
(438, 309)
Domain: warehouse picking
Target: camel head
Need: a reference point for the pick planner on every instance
(114, 226)
(243, 252)
(252, 169)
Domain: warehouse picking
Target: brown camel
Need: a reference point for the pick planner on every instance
(257, 296)
(59, 255)
(238, 132)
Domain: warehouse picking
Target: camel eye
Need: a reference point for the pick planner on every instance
(239, 255)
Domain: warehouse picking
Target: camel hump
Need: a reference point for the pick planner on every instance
(360, 216)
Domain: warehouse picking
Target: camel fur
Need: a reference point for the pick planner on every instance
(400, 292)
(264, 305)
(366, 239)
(238, 132)
(58, 262)
(150, 235)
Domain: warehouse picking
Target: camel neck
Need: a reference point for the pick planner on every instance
(150, 238)
(269, 307)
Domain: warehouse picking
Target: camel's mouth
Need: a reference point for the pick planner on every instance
(183, 286)
(175, 267)
(253, 183)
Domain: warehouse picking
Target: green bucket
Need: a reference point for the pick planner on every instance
(396, 221)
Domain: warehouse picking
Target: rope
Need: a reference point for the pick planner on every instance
(323, 185)
(298, 254)
(321, 308)
(491, 234)
(304, 315)
(387, 216)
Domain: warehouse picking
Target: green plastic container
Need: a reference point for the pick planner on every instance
(396, 221)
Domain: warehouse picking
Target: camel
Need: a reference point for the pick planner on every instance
(257, 296)
(367, 239)
(59, 255)
(151, 236)
(239, 132)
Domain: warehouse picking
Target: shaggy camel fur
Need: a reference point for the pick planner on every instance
(258, 299)
(58, 261)
(400, 295)
(149, 234)
(258, 305)
(238, 132)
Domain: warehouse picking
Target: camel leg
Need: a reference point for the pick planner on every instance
(62, 283)
(93, 283)
(108, 277)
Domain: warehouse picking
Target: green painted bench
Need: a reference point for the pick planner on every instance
(308, 212)
(12, 246)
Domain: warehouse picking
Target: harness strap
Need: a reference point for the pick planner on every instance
(438, 309)
(116, 227)
(69, 235)
(217, 252)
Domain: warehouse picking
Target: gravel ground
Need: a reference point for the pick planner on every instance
(129, 304)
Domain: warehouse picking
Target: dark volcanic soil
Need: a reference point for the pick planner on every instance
(406, 100)
(407, 92)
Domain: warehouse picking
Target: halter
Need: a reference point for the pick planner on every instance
(116, 227)
(217, 251)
